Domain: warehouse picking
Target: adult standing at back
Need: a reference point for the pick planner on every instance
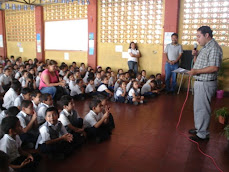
(206, 65)
(173, 53)
(49, 81)
(133, 58)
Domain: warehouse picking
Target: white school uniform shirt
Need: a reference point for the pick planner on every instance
(9, 98)
(66, 79)
(145, 88)
(61, 73)
(10, 146)
(2, 115)
(82, 69)
(44, 132)
(97, 82)
(133, 59)
(111, 81)
(41, 112)
(131, 92)
(18, 100)
(75, 90)
(90, 88)
(5, 79)
(37, 81)
(91, 119)
(116, 85)
(22, 80)
(128, 86)
(22, 119)
(18, 75)
(102, 88)
(143, 79)
(86, 77)
(119, 92)
(35, 107)
(64, 117)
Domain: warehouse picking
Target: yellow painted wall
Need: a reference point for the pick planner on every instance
(29, 50)
(77, 56)
(190, 47)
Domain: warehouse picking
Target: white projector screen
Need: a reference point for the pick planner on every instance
(66, 35)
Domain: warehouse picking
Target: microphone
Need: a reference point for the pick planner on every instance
(195, 46)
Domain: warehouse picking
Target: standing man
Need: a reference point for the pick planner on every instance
(206, 65)
(173, 53)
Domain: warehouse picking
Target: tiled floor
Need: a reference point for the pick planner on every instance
(145, 140)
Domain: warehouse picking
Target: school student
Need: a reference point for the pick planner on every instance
(28, 121)
(35, 96)
(143, 79)
(102, 88)
(25, 95)
(90, 89)
(71, 120)
(134, 94)
(95, 122)
(23, 79)
(19, 159)
(4, 165)
(18, 75)
(54, 138)
(120, 78)
(46, 102)
(5, 79)
(97, 80)
(149, 89)
(160, 84)
(120, 94)
(11, 94)
(77, 89)
(11, 111)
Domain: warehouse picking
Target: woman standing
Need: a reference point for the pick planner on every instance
(49, 81)
(133, 58)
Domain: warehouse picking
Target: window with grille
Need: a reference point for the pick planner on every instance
(123, 21)
(206, 12)
(20, 25)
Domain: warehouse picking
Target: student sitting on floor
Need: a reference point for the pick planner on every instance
(143, 79)
(110, 123)
(138, 79)
(28, 121)
(129, 84)
(19, 159)
(151, 78)
(11, 111)
(22, 80)
(5, 79)
(25, 95)
(120, 78)
(18, 75)
(102, 89)
(120, 94)
(77, 89)
(97, 80)
(112, 80)
(35, 96)
(54, 138)
(5, 162)
(160, 84)
(11, 94)
(149, 89)
(46, 102)
(95, 122)
(71, 120)
(90, 89)
(134, 94)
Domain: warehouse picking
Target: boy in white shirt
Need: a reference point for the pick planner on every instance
(19, 73)
(28, 120)
(46, 102)
(120, 78)
(149, 89)
(19, 159)
(77, 89)
(120, 95)
(25, 95)
(54, 138)
(11, 111)
(97, 80)
(102, 89)
(5, 79)
(23, 79)
(90, 89)
(95, 122)
(11, 94)
(35, 96)
(71, 120)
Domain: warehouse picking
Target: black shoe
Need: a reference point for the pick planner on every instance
(192, 131)
(198, 139)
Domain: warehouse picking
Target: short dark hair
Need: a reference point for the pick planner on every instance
(78, 81)
(158, 74)
(44, 97)
(50, 109)
(205, 29)
(103, 77)
(154, 82)
(138, 74)
(8, 123)
(4, 159)
(90, 79)
(94, 103)
(26, 103)
(16, 85)
(152, 76)
(25, 91)
(23, 72)
(174, 34)
(12, 111)
(35, 93)
(64, 101)
(51, 62)
(70, 74)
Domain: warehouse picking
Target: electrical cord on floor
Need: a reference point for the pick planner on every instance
(182, 133)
